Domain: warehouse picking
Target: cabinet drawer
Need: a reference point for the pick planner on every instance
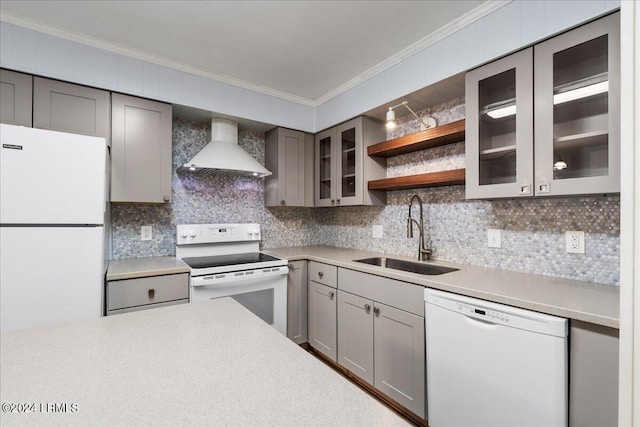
(402, 295)
(147, 290)
(323, 273)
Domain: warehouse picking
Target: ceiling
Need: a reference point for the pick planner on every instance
(308, 51)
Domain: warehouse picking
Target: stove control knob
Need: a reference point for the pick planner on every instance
(183, 233)
(192, 233)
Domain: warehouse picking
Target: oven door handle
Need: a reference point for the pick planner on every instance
(238, 276)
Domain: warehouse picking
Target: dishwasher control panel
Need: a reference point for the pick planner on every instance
(497, 314)
(482, 312)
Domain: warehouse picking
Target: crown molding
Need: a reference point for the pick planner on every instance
(470, 17)
(21, 21)
(467, 19)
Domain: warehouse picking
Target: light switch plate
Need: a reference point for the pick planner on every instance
(494, 238)
(575, 242)
(146, 232)
(377, 231)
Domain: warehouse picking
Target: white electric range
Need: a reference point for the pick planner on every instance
(225, 260)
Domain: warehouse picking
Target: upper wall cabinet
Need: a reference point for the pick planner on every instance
(141, 152)
(499, 128)
(72, 108)
(577, 99)
(15, 98)
(342, 167)
(572, 127)
(289, 157)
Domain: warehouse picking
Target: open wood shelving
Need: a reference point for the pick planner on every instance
(433, 179)
(430, 138)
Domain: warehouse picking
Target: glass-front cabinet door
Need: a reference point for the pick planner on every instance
(499, 128)
(349, 170)
(325, 191)
(577, 130)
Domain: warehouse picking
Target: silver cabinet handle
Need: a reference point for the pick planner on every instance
(525, 189)
(544, 187)
(331, 294)
(320, 274)
(367, 307)
(376, 311)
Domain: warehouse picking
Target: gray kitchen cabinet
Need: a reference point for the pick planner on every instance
(499, 149)
(381, 335)
(72, 108)
(322, 319)
(399, 355)
(16, 98)
(141, 151)
(142, 293)
(545, 121)
(355, 335)
(297, 299)
(324, 274)
(593, 375)
(289, 157)
(577, 110)
(342, 166)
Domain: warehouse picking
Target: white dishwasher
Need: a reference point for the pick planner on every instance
(493, 365)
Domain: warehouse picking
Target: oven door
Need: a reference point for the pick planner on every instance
(262, 291)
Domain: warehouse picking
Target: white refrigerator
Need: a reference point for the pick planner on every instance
(52, 210)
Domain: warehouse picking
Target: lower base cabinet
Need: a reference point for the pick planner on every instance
(355, 335)
(593, 375)
(399, 357)
(322, 319)
(381, 344)
(125, 296)
(297, 302)
(374, 327)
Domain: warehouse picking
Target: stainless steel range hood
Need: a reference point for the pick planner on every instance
(224, 153)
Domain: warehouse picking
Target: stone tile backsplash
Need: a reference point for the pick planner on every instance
(532, 229)
(205, 197)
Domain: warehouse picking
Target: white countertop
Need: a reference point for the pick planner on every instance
(207, 363)
(589, 302)
(131, 268)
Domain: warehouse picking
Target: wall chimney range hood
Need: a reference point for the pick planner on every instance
(224, 153)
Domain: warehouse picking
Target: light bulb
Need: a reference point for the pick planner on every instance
(559, 165)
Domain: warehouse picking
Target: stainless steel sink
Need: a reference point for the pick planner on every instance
(412, 267)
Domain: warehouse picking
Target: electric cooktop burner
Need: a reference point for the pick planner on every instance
(224, 260)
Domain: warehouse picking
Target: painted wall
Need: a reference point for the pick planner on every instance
(532, 236)
(511, 27)
(33, 52)
(515, 25)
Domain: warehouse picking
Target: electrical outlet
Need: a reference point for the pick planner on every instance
(575, 242)
(494, 238)
(145, 232)
(377, 231)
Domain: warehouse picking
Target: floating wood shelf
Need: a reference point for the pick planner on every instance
(430, 138)
(434, 179)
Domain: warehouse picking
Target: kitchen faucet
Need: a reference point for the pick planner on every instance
(424, 252)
